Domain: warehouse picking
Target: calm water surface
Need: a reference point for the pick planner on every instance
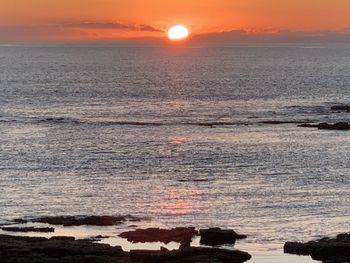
(175, 133)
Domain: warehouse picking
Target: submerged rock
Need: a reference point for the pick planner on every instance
(29, 229)
(218, 236)
(180, 235)
(336, 250)
(81, 220)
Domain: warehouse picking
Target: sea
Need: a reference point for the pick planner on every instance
(203, 136)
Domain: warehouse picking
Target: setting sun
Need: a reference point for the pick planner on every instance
(178, 32)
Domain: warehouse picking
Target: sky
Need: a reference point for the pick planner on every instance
(77, 20)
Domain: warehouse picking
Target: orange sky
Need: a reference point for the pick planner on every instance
(109, 19)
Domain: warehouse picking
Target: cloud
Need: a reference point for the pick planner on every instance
(113, 25)
(73, 31)
(114, 31)
(272, 36)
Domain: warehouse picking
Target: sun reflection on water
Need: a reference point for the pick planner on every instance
(177, 202)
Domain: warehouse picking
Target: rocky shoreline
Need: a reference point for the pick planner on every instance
(65, 250)
(59, 249)
(328, 250)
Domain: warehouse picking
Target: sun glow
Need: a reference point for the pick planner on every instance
(178, 32)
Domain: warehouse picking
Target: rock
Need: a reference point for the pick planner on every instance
(164, 249)
(20, 221)
(336, 126)
(81, 220)
(297, 248)
(35, 250)
(95, 238)
(281, 122)
(308, 125)
(336, 250)
(29, 229)
(62, 238)
(327, 126)
(42, 250)
(344, 236)
(217, 236)
(341, 108)
(190, 254)
(181, 235)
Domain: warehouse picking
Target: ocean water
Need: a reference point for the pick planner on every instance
(176, 134)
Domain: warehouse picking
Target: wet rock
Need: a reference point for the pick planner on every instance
(42, 250)
(326, 126)
(29, 229)
(95, 238)
(181, 235)
(336, 126)
(218, 236)
(190, 255)
(341, 108)
(344, 236)
(164, 249)
(308, 125)
(34, 250)
(20, 221)
(281, 122)
(328, 250)
(81, 220)
(62, 238)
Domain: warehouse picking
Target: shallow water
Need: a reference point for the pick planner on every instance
(175, 134)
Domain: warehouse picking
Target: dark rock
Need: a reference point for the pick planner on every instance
(297, 248)
(326, 126)
(42, 250)
(62, 238)
(21, 238)
(164, 249)
(336, 126)
(213, 124)
(190, 255)
(308, 125)
(20, 221)
(29, 229)
(95, 238)
(217, 236)
(82, 220)
(281, 122)
(181, 235)
(34, 250)
(336, 250)
(344, 236)
(341, 108)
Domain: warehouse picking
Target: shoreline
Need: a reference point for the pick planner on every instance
(107, 235)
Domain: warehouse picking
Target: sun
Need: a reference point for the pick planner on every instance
(178, 32)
